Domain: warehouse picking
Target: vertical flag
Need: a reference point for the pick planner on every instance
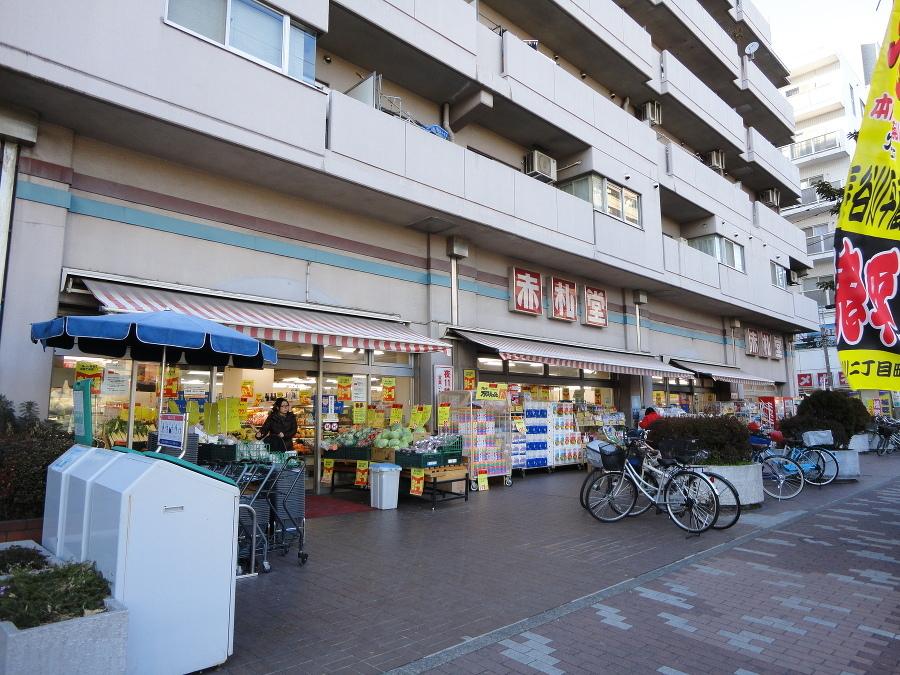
(867, 237)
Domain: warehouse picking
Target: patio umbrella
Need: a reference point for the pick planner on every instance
(154, 336)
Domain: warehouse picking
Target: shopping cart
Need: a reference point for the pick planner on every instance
(287, 499)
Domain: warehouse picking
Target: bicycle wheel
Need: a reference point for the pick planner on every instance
(643, 502)
(590, 478)
(812, 463)
(782, 477)
(882, 446)
(611, 496)
(691, 501)
(829, 468)
(729, 502)
(893, 443)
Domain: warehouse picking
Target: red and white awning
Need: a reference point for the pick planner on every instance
(724, 373)
(270, 322)
(514, 349)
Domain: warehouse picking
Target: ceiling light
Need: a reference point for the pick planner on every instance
(331, 381)
(536, 365)
(378, 352)
(347, 350)
(335, 358)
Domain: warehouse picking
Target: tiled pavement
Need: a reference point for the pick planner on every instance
(523, 580)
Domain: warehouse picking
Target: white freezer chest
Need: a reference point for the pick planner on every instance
(57, 494)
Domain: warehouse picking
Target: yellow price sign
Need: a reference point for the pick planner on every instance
(359, 412)
(362, 473)
(327, 471)
(491, 391)
(388, 389)
(443, 415)
(374, 417)
(483, 482)
(417, 482)
(397, 413)
(469, 380)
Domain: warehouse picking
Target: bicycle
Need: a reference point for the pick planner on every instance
(689, 497)
(782, 476)
(820, 466)
(888, 435)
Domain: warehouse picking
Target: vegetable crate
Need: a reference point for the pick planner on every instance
(419, 459)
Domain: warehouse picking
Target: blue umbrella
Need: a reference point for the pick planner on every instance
(154, 336)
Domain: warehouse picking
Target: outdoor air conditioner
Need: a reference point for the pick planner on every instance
(540, 166)
(794, 278)
(651, 112)
(771, 197)
(715, 160)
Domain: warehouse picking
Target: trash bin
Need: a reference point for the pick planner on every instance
(384, 484)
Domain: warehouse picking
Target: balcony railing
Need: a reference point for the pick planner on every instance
(809, 196)
(820, 243)
(812, 146)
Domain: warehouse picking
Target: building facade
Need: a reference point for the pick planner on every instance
(560, 192)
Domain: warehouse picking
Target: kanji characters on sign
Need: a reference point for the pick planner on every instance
(777, 347)
(865, 294)
(765, 345)
(563, 299)
(526, 291)
(752, 339)
(595, 308)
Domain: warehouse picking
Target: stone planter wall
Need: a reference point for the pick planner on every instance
(747, 480)
(848, 464)
(865, 442)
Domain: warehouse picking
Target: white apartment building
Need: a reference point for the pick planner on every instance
(379, 187)
(828, 97)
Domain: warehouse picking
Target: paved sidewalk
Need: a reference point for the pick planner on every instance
(820, 595)
(384, 589)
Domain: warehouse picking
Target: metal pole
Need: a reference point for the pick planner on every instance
(454, 291)
(824, 338)
(637, 323)
(162, 386)
(131, 396)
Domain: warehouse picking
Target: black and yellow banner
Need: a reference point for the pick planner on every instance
(867, 237)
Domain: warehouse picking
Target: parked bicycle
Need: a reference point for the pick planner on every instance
(782, 476)
(888, 430)
(688, 496)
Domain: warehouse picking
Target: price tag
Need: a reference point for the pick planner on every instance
(397, 413)
(374, 417)
(417, 482)
(362, 473)
(483, 481)
(327, 471)
(359, 413)
(443, 415)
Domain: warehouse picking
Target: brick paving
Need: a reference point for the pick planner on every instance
(523, 580)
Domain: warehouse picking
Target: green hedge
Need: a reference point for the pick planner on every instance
(726, 438)
(843, 415)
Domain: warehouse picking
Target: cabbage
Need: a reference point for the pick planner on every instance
(380, 443)
(394, 443)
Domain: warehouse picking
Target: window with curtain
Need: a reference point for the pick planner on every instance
(254, 30)
(724, 250)
(779, 275)
(606, 197)
(613, 200)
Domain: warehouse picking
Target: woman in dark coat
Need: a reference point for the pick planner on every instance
(280, 427)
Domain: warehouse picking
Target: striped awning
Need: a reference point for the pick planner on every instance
(515, 349)
(724, 373)
(270, 322)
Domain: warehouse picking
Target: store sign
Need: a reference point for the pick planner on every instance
(115, 384)
(526, 294)
(824, 380)
(804, 380)
(595, 307)
(563, 299)
(777, 347)
(388, 389)
(469, 379)
(491, 391)
(359, 412)
(751, 337)
(358, 389)
(443, 379)
(172, 429)
(765, 345)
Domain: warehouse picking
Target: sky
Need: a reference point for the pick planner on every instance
(804, 30)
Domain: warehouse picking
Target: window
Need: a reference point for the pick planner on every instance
(724, 250)
(606, 196)
(819, 238)
(253, 29)
(811, 181)
(811, 290)
(779, 275)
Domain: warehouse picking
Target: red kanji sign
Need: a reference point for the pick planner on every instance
(595, 308)
(526, 291)
(881, 284)
(563, 299)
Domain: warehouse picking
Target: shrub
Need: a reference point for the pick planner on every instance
(21, 557)
(32, 599)
(28, 445)
(834, 410)
(726, 438)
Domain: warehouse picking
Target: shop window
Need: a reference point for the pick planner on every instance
(383, 358)
(380, 388)
(491, 364)
(252, 29)
(563, 371)
(295, 350)
(526, 368)
(344, 355)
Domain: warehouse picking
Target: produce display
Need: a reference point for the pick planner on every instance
(433, 444)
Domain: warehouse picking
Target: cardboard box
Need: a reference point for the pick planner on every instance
(383, 455)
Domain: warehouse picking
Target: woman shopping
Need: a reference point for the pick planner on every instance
(279, 428)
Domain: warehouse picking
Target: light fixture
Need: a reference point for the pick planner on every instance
(536, 365)
(347, 350)
(330, 381)
(326, 58)
(588, 372)
(378, 352)
(332, 357)
(198, 372)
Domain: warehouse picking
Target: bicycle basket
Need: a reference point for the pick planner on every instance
(608, 456)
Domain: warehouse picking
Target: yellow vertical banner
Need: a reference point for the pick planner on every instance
(867, 237)
(327, 471)
(388, 389)
(362, 473)
(443, 415)
(468, 380)
(344, 387)
(417, 482)
(359, 412)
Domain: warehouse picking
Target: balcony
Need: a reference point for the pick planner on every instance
(810, 202)
(743, 18)
(783, 234)
(687, 30)
(762, 106)
(596, 36)
(763, 166)
(700, 118)
(832, 145)
(691, 264)
(819, 100)
(806, 309)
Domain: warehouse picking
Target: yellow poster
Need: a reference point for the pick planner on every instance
(483, 482)
(345, 387)
(419, 416)
(867, 238)
(374, 417)
(172, 383)
(388, 389)
(88, 370)
(211, 418)
(491, 391)
(327, 471)
(520, 426)
(247, 389)
(359, 412)
(443, 415)
(417, 482)
(362, 473)
(397, 413)
(468, 380)
(193, 412)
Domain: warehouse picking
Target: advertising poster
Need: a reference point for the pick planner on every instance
(327, 471)
(388, 389)
(88, 370)
(362, 473)
(469, 380)
(443, 379)
(247, 389)
(417, 482)
(344, 386)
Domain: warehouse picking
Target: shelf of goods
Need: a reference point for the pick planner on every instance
(485, 429)
(564, 439)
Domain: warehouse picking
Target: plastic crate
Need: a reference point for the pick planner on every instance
(212, 453)
(455, 446)
(420, 460)
(452, 457)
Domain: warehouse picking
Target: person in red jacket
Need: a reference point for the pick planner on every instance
(650, 416)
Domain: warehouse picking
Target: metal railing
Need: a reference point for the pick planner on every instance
(812, 146)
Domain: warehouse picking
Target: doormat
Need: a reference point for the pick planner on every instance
(322, 506)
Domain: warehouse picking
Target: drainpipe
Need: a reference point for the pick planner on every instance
(9, 159)
(639, 298)
(734, 324)
(457, 249)
(445, 119)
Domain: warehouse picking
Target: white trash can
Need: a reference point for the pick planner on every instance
(384, 485)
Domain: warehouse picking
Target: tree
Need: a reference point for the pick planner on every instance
(827, 192)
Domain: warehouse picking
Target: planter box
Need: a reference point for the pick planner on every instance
(746, 478)
(865, 442)
(848, 464)
(51, 559)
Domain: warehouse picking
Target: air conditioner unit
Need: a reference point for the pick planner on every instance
(651, 112)
(794, 277)
(540, 166)
(534, 44)
(715, 160)
(771, 197)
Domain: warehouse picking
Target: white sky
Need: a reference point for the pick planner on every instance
(804, 30)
